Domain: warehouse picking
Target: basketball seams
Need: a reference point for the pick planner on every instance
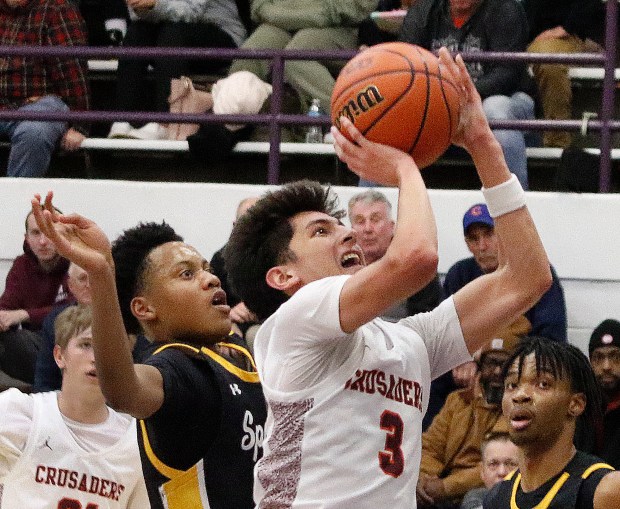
(426, 104)
(399, 96)
(412, 73)
(445, 100)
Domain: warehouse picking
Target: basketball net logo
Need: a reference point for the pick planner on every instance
(364, 101)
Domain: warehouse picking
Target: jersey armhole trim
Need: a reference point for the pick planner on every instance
(159, 465)
(596, 466)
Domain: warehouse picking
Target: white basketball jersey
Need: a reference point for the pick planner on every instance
(54, 472)
(353, 439)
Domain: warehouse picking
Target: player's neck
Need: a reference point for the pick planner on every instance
(540, 463)
(82, 405)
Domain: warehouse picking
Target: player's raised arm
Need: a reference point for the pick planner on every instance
(134, 389)
(494, 300)
(410, 262)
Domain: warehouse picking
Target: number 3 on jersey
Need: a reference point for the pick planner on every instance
(71, 503)
(392, 460)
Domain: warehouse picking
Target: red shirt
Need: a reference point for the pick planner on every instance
(42, 23)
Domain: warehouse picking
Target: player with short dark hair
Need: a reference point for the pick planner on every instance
(198, 397)
(346, 390)
(548, 386)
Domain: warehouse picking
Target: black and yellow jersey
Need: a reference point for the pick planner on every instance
(572, 488)
(199, 449)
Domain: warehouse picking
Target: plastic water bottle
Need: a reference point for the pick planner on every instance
(314, 133)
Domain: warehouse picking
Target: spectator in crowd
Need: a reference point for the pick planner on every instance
(451, 446)
(41, 84)
(198, 396)
(329, 366)
(36, 281)
(476, 25)
(283, 24)
(548, 386)
(106, 21)
(499, 457)
(67, 449)
(47, 375)
(604, 349)
(547, 317)
(373, 31)
(244, 321)
(561, 26)
(370, 214)
(180, 23)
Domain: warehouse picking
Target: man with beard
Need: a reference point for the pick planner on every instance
(548, 387)
(36, 281)
(451, 446)
(604, 351)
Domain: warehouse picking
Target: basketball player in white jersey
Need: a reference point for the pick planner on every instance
(67, 449)
(347, 391)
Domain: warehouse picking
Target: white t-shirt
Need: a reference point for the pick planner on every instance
(345, 410)
(48, 461)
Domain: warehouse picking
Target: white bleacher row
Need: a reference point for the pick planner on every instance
(262, 147)
(250, 147)
(576, 73)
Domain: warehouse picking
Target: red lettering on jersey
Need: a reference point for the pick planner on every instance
(120, 490)
(73, 477)
(94, 484)
(63, 474)
(390, 392)
(389, 386)
(407, 386)
(370, 381)
(113, 491)
(104, 487)
(39, 475)
(51, 475)
(83, 486)
(354, 383)
(417, 395)
(381, 387)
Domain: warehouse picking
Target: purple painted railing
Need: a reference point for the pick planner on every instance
(275, 119)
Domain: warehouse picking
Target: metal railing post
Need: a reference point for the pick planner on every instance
(275, 129)
(609, 89)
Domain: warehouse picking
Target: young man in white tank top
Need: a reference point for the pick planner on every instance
(67, 449)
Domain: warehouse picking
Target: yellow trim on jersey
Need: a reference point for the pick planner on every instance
(186, 491)
(596, 466)
(246, 376)
(545, 502)
(160, 466)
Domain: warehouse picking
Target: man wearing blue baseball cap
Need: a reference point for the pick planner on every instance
(546, 318)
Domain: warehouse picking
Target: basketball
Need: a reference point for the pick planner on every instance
(396, 94)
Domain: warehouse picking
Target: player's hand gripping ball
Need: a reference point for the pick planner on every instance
(397, 94)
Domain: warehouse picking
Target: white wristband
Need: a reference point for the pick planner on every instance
(505, 197)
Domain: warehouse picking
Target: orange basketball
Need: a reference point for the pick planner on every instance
(396, 94)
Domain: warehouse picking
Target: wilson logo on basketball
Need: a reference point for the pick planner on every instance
(363, 102)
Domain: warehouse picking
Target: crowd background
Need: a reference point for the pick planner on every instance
(575, 228)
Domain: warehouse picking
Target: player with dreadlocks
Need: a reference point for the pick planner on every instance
(548, 386)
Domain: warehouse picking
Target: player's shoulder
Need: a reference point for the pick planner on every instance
(14, 402)
(607, 493)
